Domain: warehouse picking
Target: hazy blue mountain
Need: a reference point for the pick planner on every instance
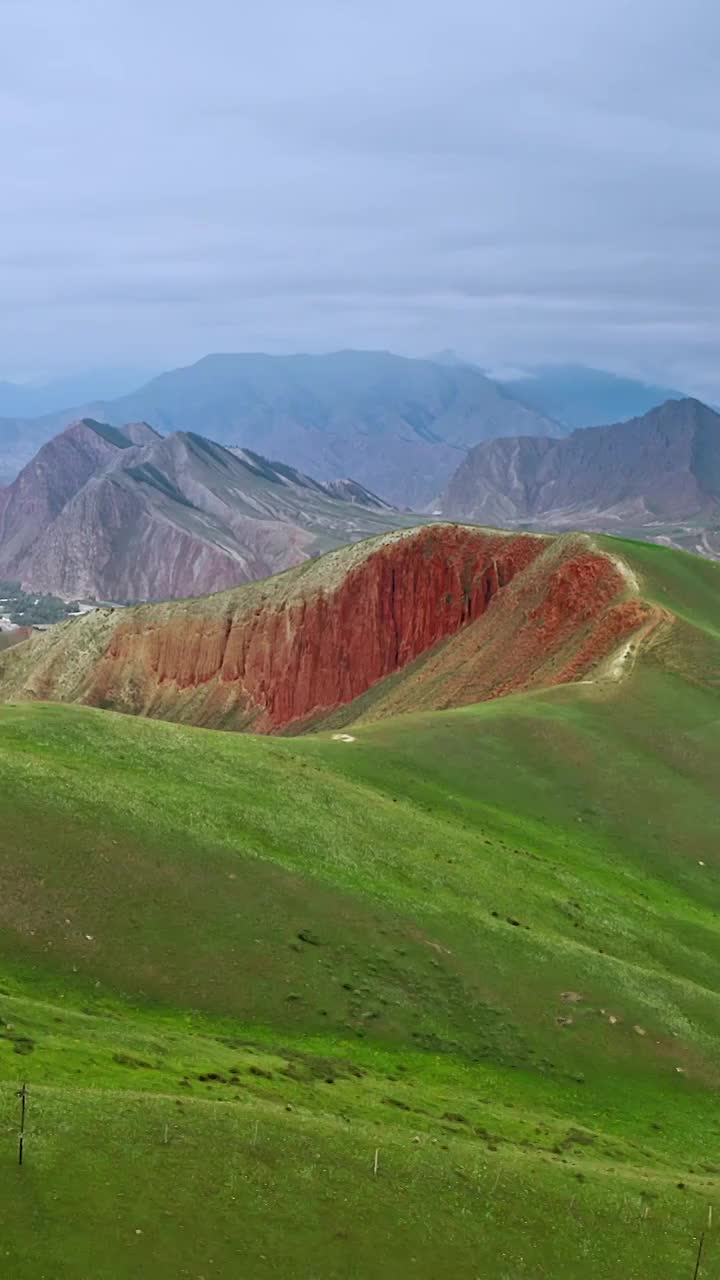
(580, 397)
(398, 426)
(32, 399)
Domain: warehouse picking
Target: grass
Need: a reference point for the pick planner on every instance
(483, 943)
(254, 1194)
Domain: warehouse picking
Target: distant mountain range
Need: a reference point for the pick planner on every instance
(657, 476)
(123, 513)
(32, 399)
(396, 425)
(126, 514)
(399, 427)
(580, 397)
(573, 395)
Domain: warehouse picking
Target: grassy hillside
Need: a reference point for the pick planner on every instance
(482, 944)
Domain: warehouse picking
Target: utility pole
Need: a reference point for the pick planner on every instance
(22, 1095)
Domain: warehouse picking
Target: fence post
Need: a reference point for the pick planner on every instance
(699, 1255)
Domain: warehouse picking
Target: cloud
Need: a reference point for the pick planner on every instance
(523, 182)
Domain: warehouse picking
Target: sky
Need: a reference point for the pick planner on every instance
(524, 182)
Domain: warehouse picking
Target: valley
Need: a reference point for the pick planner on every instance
(20, 608)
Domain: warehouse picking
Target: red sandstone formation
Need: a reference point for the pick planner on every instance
(313, 653)
(488, 613)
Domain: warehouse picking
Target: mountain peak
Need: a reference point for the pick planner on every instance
(657, 476)
(122, 513)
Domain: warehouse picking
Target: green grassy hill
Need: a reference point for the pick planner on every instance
(479, 947)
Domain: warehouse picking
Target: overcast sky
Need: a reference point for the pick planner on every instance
(523, 180)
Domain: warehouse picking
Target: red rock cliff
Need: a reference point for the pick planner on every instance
(289, 659)
(488, 613)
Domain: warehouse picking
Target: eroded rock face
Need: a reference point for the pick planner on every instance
(282, 664)
(487, 613)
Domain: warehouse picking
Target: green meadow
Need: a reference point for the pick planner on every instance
(439, 1001)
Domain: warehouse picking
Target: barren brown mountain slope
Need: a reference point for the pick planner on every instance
(656, 478)
(52, 479)
(489, 612)
(125, 515)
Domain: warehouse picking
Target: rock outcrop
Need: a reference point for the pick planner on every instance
(497, 612)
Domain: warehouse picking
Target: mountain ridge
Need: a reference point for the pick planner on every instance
(582, 396)
(125, 514)
(647, 476)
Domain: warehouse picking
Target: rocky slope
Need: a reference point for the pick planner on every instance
(525, 610)
(52, 479)
(398, 426)
(125, 514)
(658, 475)
(352, 491)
